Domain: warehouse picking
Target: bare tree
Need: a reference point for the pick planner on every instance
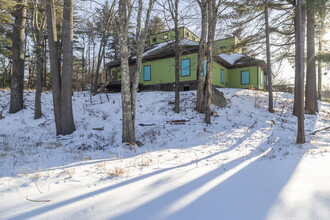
(17, 80)
(105, 30)
(125, 10)
(213, 8)
(200, 103)
(141, 36)
(299, 86)
(54, 63)
(67, 122)
(311, 94)
(173, 8)
(269, 65)
(302, 46)
(128, 93)
(322, 11)
(38, 24)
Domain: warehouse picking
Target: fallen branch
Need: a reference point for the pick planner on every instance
(37, 200)
(99, 129)
(322, 129)
(252, 126)
(178, 122)
(147, 124)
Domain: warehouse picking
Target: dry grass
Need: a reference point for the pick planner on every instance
(70, 172)
(117, 172)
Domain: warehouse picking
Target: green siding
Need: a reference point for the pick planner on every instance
(190, 35)
(184, 33)
(235, 77)
(170, 36)
(229, 44)
(216, 75)
(163, 71)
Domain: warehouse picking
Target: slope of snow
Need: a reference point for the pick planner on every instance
(245, 165)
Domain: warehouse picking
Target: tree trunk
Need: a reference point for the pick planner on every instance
(177, 58)
(83, 69)
(128, 130)
(66, 81)
(141, 36)
(37, 101)
(269, 66)
(311, 95)
(37, 28)
(17, 80)
(212, 20)
(319, 66)
(99, 61)
(302, 21)
(300, 74)
(54, 63)
(200, 103)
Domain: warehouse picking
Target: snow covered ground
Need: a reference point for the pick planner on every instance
(245, 165)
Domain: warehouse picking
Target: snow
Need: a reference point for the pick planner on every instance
(231, 58)
(245, 165)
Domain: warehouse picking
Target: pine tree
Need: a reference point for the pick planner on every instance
(17, 80)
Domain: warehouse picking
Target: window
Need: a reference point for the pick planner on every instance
(185, 67)
(154, 39)
(193, 38)
(205, 67)
(245, 77)
(187, 34)
(261, 78)
(147, 73)
(165, 37)
(222, 76)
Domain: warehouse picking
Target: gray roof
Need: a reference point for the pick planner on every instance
(167, 49)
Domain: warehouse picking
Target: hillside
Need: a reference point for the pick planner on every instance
(245, 165)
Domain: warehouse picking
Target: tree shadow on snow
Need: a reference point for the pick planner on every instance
(239, 189)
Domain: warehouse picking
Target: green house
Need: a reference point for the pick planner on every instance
(234, 70)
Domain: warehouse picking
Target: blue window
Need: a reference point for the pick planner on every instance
(205, 67)
(245, 77)
(185, 67)
(147, 73)
(222, 76)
